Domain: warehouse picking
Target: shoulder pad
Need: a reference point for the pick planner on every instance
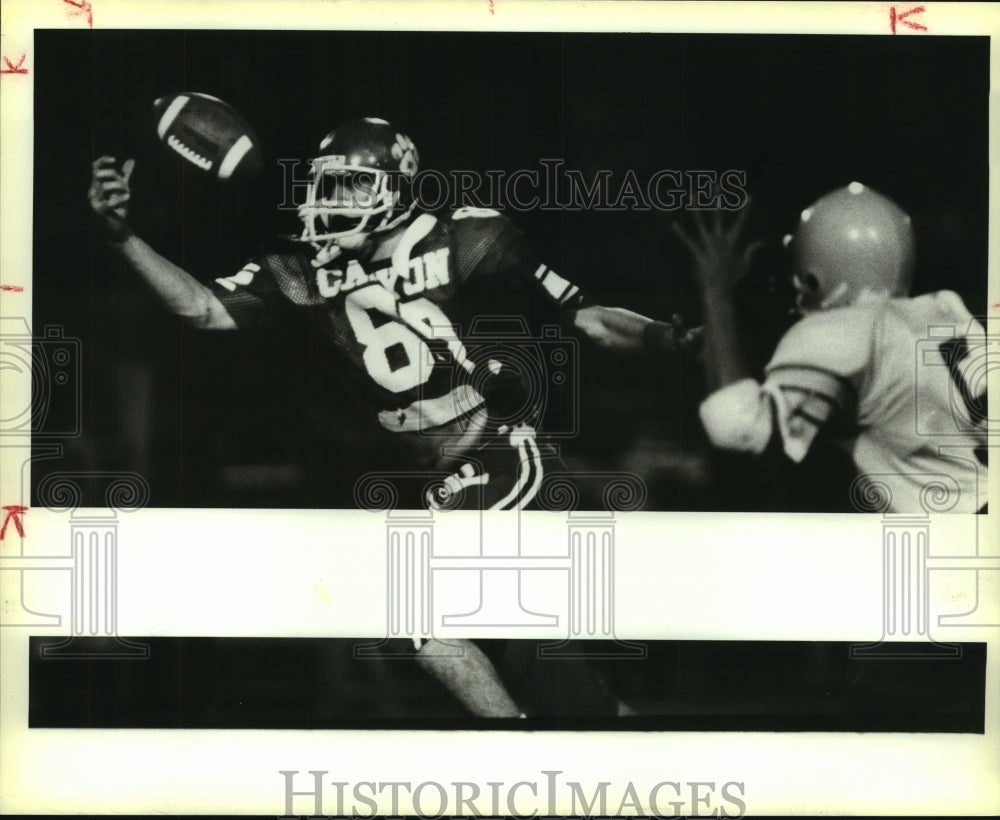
(837, 341)
(483, 239)
(482, 224)
(944, 306)
(474, 213)
(479, 220)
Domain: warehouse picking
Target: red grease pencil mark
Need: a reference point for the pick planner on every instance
(83, 7)
(14, 69)
(900, 17)
(13, 512)
(492, 7)
(12, 288)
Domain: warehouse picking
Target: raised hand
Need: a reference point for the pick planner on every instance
(721, 260)
(109, 195)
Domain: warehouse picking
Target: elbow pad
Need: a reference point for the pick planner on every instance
(738, 417)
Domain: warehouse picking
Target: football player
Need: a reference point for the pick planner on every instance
(395, 291)
(896, 374)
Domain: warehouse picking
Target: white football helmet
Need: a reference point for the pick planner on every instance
(852, 244)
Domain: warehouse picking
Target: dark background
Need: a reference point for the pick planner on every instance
(318, 683)
(241, 420)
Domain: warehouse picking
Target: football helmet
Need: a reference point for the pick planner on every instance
(361, 182)
(852, 244)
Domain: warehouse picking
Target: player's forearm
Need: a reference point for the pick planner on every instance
(622, 330)
(177, 289)
(735, 414)
(724, 361)
(471, 678)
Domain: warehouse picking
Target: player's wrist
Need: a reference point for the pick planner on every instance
(716, 290)
(118, 233)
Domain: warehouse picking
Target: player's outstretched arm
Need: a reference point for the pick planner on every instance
(471, 678)
(737, 414)
(180, 292)
(721, 262)
(622, 330)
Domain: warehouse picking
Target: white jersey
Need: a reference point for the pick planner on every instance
(910, 375)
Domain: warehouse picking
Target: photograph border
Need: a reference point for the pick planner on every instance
(273, 573)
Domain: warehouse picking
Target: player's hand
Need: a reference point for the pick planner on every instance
(671, 337)
(686, 339)
(721, 258)
(109, 195)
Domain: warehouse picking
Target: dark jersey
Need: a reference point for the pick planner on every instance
(411, 329)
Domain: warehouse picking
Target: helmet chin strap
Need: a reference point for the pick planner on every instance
(325, 253)
(351, 242)
(835, 298)
(329, 248)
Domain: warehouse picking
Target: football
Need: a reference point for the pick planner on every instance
(208, 133)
